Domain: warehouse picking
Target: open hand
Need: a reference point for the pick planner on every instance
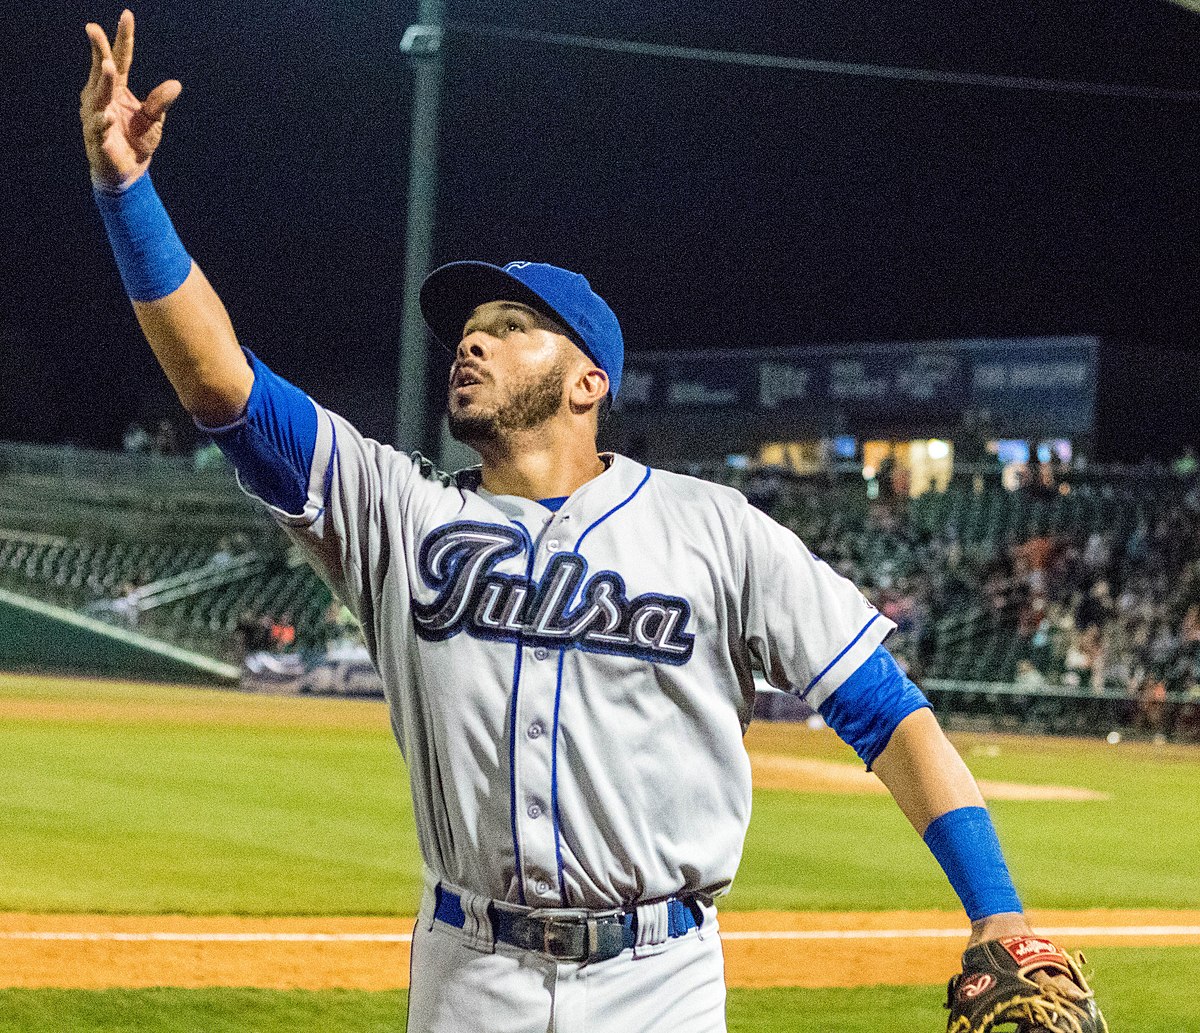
(119, 131)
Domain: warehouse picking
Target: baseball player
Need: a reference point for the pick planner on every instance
(567, 640)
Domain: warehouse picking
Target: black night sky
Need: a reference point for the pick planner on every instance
(712, 205)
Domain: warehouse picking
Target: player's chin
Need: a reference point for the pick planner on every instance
(470, 425)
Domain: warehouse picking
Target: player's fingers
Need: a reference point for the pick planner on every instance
(98, 36)
(159, 100)
(1064, 984)
(93, 31)
(107, 85)
(122, 50)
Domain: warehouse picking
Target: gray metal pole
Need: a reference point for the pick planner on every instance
(423, 44)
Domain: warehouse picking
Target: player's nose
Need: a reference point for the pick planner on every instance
(473, 345)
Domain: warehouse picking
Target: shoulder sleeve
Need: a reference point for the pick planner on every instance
(342, 497)
(282, 447)
(809, 627)
(870, 704)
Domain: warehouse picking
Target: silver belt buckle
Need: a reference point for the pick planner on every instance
(557, 940)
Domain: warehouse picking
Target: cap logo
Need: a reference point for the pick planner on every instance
(516, 265)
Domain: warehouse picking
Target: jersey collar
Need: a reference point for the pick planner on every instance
(607, 489)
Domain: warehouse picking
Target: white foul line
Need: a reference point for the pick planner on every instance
(214, 937)
(930, 934)
(805, 934)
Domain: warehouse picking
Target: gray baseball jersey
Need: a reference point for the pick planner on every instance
(570, 689)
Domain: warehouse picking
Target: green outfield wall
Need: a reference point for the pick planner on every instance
(38, 636)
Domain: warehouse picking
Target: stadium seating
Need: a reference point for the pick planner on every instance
(190, 560)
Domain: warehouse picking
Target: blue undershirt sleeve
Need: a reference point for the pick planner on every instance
(273, 445)
(868, 706)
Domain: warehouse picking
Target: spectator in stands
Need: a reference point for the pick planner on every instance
(123, 607)
(1097, 553)
(208, 456)
(255, 632)
(1030, 618)
(1186, 466)
(223, 555)
(1189, 632)
(763, 488)
(1059, 469)
(1096, 608)
(1028, 676)
(283, 633)
(1164, 644)
(166, 440)
(1032, 561)
(1188, 723)
(1152, 705)
(1036, 476)
(136, 439)
(1081, 657)
(886, 476)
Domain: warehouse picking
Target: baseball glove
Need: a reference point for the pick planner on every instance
(1011, 983)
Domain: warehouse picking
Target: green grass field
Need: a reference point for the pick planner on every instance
(1144, 990)
(143, 799)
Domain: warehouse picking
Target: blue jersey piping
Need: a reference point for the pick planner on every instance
(619, 505)
(554, 815)
(832, 662)
(512, 733)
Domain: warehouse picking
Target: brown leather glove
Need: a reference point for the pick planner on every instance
(1024, 981)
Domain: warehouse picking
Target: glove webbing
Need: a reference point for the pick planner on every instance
(1043, 1009)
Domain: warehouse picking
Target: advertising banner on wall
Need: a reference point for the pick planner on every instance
(1026, 386)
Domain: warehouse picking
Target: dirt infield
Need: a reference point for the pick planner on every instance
(762, 948)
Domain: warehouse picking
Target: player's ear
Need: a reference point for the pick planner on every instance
(588, 388)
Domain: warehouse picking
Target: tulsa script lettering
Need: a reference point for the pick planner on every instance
(459, 561)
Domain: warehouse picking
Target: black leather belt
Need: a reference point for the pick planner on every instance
(570, 935)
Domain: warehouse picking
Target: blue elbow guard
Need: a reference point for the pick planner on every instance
(965, 845)
(150, 256)
(866, 708)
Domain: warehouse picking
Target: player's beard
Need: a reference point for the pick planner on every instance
(527, 407)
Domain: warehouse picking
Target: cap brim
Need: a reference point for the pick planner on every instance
(452, 292)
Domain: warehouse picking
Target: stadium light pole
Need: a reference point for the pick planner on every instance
(422, 43)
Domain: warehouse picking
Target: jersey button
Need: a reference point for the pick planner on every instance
(540, 653)
(535, 730)
(542, 886)
(552, 545)
(534, 811)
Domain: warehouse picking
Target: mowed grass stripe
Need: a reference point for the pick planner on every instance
(1147, 990)
(210, 802)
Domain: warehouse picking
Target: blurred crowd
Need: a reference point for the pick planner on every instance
(1115, 614)
(1107, 611)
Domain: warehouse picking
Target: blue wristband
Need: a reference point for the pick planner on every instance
(965, 845)
(150, 256)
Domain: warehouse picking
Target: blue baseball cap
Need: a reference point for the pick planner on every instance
(452, 292)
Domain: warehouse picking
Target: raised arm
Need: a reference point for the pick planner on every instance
(181, 315)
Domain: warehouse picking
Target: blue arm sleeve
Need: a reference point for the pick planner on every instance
(866, 708)
(272, 445)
